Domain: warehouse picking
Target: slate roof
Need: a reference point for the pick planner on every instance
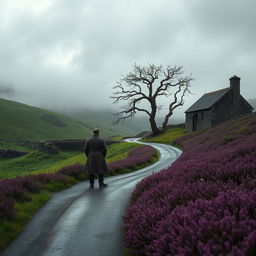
(207, 100)
(247, 103)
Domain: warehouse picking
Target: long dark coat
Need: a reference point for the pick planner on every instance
(95, 150)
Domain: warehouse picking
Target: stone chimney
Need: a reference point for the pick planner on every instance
(235, 94)
(235, 84)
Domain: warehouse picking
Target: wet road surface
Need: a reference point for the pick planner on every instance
(80, 221)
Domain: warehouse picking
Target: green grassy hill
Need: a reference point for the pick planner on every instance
(22, 122)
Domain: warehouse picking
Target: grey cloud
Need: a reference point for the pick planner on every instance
(100, 40)
(6, 90)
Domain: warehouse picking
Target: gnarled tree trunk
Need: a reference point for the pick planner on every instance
(146, 84)
(166, 119)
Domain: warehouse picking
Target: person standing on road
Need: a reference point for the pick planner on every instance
(95, 150)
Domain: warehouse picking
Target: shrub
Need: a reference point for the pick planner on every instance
(74, 170)
(137, 156)
(6, 207)
(227, 139)
(225, 225)
(13, 189)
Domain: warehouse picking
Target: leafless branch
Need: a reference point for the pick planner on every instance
(147, 84)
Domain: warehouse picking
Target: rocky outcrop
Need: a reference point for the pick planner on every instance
(52, 146)
(10, 153)
(47, 147)
(71, 144)
(66, 144)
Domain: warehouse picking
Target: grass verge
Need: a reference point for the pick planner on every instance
(36, 162)
(10, 228)
(167, 136)
(40, 162)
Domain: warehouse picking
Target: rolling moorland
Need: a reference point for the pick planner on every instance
(28, 181)
(22, 122)
(104, 119)
(23, 195)
(38, 161)
(192, 170)
(204, 204)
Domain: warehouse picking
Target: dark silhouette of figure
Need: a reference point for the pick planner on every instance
(95, 150)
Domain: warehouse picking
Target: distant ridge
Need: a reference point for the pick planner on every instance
(23, 122)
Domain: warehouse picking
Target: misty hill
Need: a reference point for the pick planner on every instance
(103, 119)
(22, 122)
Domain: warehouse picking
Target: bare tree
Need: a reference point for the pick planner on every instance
(145, 85)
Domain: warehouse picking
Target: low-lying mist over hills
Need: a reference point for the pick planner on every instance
(23, 122)
(104, 118)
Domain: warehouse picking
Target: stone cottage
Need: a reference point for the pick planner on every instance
(216, 107)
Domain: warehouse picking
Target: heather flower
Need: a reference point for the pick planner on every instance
(12, 188)
(74, 170)
(6, 207)
(30, 183)
(225, 225)
(137, 156)
(204, 204)
(18, 189)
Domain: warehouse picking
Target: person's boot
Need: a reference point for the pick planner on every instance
(103, 185)
(101, 181)
(91, 178)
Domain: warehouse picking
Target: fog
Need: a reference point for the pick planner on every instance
(67, 55)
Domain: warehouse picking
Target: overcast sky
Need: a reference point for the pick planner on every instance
(62, 54)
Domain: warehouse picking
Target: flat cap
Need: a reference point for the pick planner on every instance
(96, 130)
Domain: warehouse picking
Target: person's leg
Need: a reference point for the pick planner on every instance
(91, 178)
(101, 180)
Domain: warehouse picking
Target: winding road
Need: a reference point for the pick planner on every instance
(80, 221)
